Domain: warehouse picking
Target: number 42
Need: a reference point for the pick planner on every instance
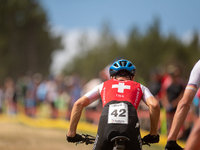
(120, 114)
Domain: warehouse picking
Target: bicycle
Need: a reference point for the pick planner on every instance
(119, 141)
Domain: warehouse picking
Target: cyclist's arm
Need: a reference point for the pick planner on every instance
(82, 102)
(193, 140)
(184, 103)
(154, 109)
(76, 114)
(181, 113)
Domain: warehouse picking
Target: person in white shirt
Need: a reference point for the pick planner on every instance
(182, 111)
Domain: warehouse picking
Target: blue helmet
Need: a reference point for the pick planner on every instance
(122, 64)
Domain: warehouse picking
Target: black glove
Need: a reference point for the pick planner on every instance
(172, 145)
(76, 138)
(150, 139)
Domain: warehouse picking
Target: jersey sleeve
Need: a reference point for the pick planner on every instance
(146, 93)
(194, 79)
(94, 94)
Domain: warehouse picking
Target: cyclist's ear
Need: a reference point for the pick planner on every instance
(132, 78)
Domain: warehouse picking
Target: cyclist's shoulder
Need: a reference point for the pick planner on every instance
(197, 65)
(195, 70)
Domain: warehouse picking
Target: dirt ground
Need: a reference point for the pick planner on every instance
(15, 136)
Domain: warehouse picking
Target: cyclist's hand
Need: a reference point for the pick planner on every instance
(172, 145)
(76, 138)
(151, 139)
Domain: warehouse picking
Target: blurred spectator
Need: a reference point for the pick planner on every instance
(22, 84)
(52, 93)
(174, 93)
(198, 96)
(1, 100)
(166, 81)
(195, 104)
(61, 102)
(31, 100)
(155, 83)
(104, 73)
(10, 96)
(75, 92)
(62, 97)
(41, 93)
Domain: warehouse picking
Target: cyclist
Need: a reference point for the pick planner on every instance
(182, 110)
(120, 99)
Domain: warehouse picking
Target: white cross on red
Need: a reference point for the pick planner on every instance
(121, 87)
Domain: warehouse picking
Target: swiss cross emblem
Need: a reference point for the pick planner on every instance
(121, 87)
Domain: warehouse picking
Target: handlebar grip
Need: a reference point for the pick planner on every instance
(76, 138)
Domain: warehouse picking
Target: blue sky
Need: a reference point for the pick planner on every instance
(177, 16)
(71, 16)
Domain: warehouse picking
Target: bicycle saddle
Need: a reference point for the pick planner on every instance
(121, 138)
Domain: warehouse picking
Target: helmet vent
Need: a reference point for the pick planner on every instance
(115, 65)
(123, 63)
(130, 65)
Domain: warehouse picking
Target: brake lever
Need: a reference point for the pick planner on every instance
(145, 143)
(80, 142)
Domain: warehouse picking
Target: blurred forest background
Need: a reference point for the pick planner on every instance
(27, 44)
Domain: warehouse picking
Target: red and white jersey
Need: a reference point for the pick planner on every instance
(117, 90)
(194, 80)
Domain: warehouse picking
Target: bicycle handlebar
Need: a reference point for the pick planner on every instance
(87, 139)
(150, 139)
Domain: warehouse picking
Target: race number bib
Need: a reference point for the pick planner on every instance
(118, 113)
